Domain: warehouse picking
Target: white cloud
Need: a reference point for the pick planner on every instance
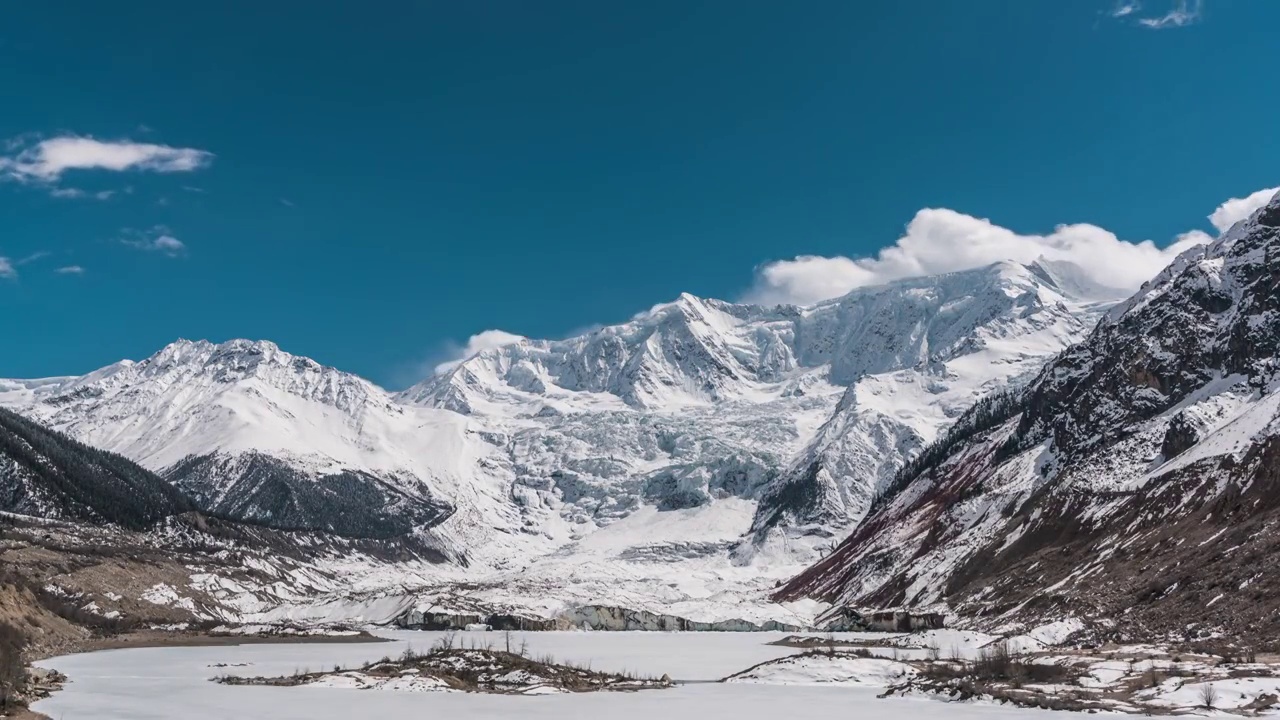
(157, 239)
(38, 255)
(476, 344)
(1236, 209)
(70, 192)
(70, 270)
(169, 244)
(940, 241)
(809, 279)
(9, 266)
(47, 160)
(1125, 9)
(1182, 14)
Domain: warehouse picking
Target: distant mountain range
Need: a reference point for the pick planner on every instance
(700, 434)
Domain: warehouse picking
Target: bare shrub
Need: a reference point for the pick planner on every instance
(1152, 677)
(1208, 696)
(934, 652)
(994, 662)
(997, 663)
(443, 644)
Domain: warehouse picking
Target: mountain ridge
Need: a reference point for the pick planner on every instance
(668, 451)
(1162, 425)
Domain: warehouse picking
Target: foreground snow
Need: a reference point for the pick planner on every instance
(837, 668)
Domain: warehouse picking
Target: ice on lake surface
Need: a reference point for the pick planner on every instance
(173, 683)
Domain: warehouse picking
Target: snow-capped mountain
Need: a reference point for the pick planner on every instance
(811, 409)
(691, 352)
(936, 346)
(252, 431)
(702, 447)
(1134, 480)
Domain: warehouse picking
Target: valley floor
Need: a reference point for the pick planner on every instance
(766, 676)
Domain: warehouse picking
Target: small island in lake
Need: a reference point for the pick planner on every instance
(449, 669)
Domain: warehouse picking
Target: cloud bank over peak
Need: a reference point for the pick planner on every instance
(476, 344)
(1236, 209)
(938, 240)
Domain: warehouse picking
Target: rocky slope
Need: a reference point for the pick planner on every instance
(1134, 481)
(46, 474)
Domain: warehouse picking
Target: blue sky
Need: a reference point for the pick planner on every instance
(372, 184)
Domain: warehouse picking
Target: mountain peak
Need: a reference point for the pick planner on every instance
(1074, 281)
(183, 350)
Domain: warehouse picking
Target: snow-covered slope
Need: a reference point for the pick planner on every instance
(921, 352)
(701, 448)
(254, 432)
(1135, 477)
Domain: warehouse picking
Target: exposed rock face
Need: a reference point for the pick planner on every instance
(844, 619)
(595, 617)
(415, 619)
(267, 490)
(1134, 479)
(1183, 434)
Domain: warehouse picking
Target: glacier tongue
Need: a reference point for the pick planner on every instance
(695, 455)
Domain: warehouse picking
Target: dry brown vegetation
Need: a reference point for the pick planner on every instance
(474, 669)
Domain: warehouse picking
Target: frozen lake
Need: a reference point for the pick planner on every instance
(173, 683)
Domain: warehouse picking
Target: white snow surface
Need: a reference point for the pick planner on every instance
(354, 680)
(822, 669)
